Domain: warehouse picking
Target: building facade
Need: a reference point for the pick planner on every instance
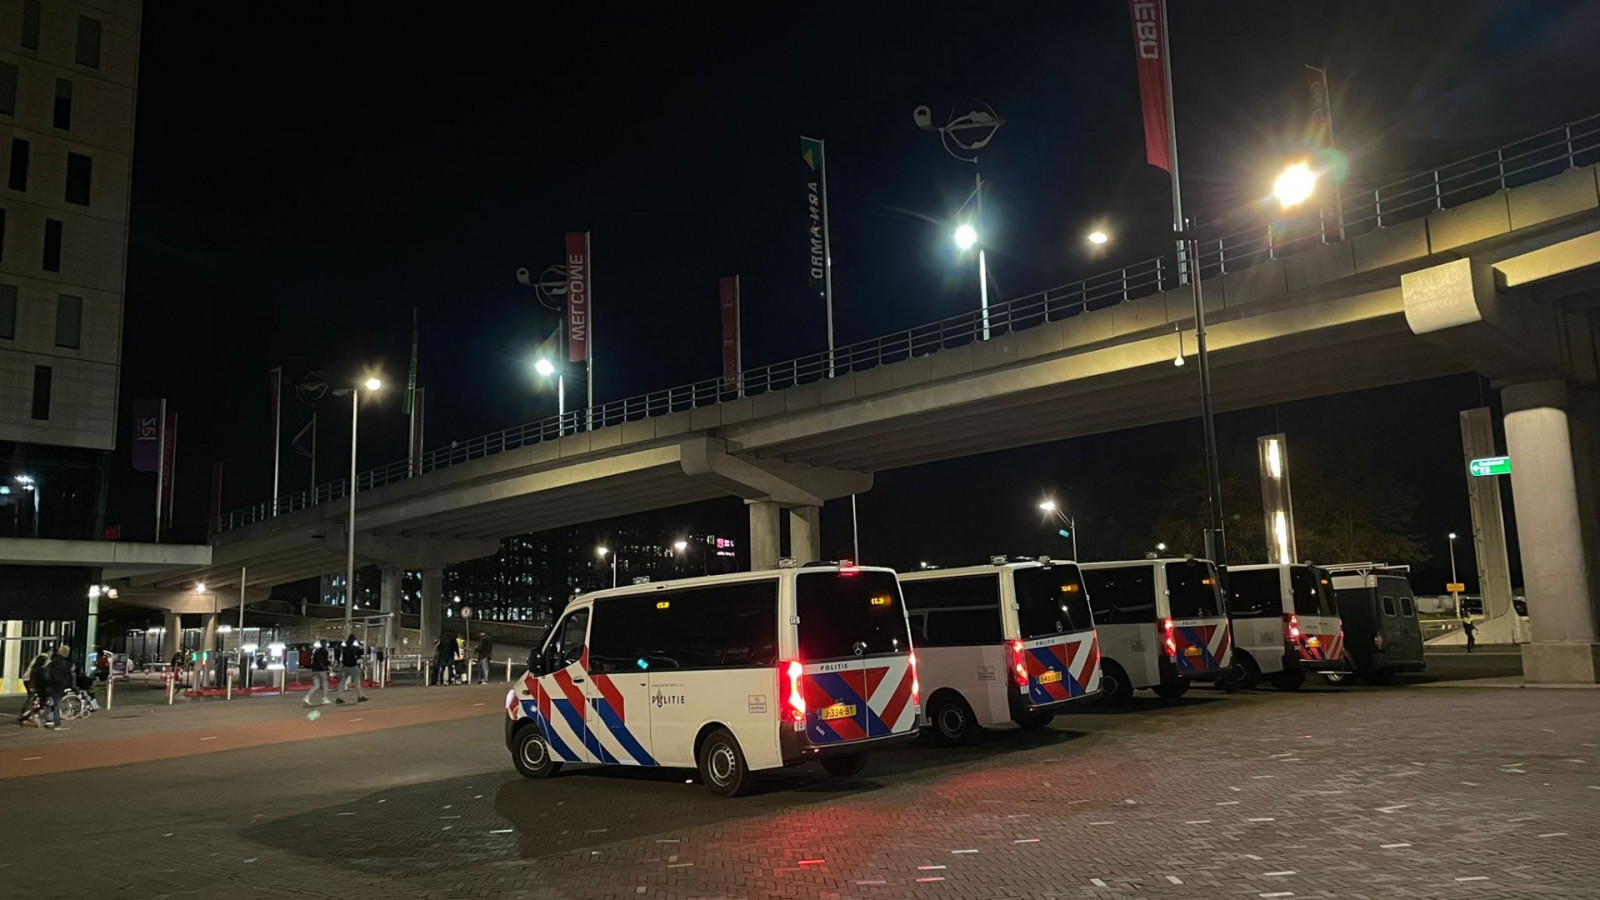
(68, 84)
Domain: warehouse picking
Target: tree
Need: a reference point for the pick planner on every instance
(1347, 508)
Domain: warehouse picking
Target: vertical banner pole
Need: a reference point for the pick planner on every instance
(161, 465)
(277, 432)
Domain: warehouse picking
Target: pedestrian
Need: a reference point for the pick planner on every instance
(320, 664)
(1471, 632)
(485, 653)
(350, 661)
(33, 683)
(442, 658)
(460, 667)
(57, 679)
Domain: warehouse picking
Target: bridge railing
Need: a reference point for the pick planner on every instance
(1354, 211)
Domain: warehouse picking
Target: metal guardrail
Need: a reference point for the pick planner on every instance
(1358, 211)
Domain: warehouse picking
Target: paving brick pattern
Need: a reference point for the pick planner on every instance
(1354, 793)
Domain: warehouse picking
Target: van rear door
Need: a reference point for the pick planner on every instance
(1057, 633)
(1201, 641)
(856, 654)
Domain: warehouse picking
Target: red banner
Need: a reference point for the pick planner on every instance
(169, 462)
(732, 351)
(1320, 128)
(1150, 52)
(577, 296)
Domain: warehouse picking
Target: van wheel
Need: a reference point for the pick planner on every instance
(953, 721)
(1378, 676)
(532, 755)
(1289, 680)
(1244, 674)
(1336, 677)
(722, 765)
(1115, 688)
(1035, 721)
(845, 766)
(1172, 690)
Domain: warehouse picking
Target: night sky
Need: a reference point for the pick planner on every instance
(306, 174)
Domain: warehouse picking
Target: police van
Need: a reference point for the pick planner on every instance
(1007, 642)
(1161, 622)
(1285, 624)
(1383, 636)
(730, 674)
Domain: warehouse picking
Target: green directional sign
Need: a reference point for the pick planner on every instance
(1492, 465)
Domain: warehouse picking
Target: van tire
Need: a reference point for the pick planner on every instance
(1115, 688)
(1289, 680)
(1172, 690)
(1378, 677)
(1337, 677)
(722, 765)
(1034, 721)
(951, 720)
(1244, 674)
(531, 755)
(844, 766)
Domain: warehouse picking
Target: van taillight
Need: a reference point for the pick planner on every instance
(916, 683)
(794, 709)
(1291, 625)
(1019, 669)
(1168, 638)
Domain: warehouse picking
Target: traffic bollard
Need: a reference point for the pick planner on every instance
(508, 670)
(111, 682)
(230, 685)
(169, 688)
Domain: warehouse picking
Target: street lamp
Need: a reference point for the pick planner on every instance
(985, 123)
(603, 552)
(1051, 509)
(1098, 237)
(372, 385)
(1161, 546)
(1295, 185)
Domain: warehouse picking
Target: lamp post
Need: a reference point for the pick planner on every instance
(1455, 595)
(986, 123)
(372, 385)
(1051, 509)
(603, 552)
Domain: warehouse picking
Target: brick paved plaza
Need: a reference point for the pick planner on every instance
(1403, 792)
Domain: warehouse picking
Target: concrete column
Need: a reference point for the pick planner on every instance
(432, 598)
(208, 625)
(171, 640)
(765, 547)
(389, 604)
(805, 534)
(1550, 534)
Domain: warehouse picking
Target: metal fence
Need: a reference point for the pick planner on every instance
(1357, 211)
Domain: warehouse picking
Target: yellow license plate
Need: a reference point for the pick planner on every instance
(1191, 651)
(1050, 677)
(1313, 641)
(837, 711)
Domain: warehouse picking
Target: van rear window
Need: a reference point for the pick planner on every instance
(1051, 601)
(1312, 594)
(1254, 593)
(1192, 591)
(840, 611)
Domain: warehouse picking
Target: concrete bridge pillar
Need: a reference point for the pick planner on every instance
(208, 628)
(805, 533)
(765, 538)
(432, 598)
(172, 638)
(389, 604)
(1552, 534)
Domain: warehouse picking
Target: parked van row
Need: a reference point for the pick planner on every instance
(734, 674)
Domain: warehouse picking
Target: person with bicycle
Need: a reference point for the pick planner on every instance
(56, 679)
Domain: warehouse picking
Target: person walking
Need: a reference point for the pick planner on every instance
(350, 662)
(320, 664)
(1471, 631)
(485, 653)
(441, 661)
(57, 679)
(33, 683)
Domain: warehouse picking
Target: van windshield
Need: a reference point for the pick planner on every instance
(1192, 591)
(839, 611)
(1051, 601)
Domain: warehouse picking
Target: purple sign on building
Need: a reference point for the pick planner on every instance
(146, 435)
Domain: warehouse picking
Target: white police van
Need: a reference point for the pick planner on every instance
(731, 674)
(1006, 642)
(1285, 624)
(1162, 625)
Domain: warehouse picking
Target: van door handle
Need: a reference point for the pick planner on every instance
(577, 681)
